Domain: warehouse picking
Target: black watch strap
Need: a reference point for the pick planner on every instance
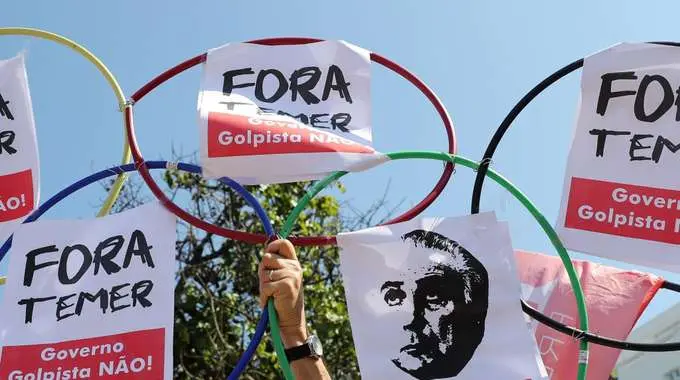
(299, 352)
(311, 348)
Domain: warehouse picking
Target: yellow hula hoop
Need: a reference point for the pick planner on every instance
(118, 92)
(120, 96)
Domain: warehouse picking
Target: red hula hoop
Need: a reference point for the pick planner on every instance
(258, 238)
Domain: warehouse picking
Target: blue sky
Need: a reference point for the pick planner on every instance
(479, 56)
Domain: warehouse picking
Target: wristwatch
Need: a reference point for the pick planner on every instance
(311, 348)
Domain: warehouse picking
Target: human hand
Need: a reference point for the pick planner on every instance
(281, 278)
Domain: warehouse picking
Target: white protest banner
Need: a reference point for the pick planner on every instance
(91, 298)
(274, 114)
(621, 197)
(19, 165)
(437, 299)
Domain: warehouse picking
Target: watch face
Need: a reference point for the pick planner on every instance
(315, 345)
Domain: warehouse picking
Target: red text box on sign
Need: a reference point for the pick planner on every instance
(133, 355)
(16, 195)
(641, 212)
(238, 135)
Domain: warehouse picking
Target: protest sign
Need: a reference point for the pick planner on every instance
(274, 114)
(90, 298)
(615, 299)
(435, 299)
(19, 165)
(620, 197)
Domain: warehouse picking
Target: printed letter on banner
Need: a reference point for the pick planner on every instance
(437, 299)
(91, 298)
(276, 114)
(19, 165)
(621, 196)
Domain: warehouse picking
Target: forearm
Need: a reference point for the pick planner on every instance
(306, 368)
(310, 369)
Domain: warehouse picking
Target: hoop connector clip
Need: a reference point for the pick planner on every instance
(485, 162)
(123, 106)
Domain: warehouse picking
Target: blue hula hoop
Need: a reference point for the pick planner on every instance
(250, 199)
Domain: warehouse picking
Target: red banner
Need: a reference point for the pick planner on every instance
(625, 210)
(615, 299)
(16, 195)
(237, 135)
(135, 355)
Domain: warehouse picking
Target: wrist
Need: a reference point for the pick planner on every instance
(294, 336)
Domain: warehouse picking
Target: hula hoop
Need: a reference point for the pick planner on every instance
(300, 241)
(479, 183)
(547, 228)
(118, 170)
(118, 92)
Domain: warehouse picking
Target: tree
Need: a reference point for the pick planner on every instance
(216, 304)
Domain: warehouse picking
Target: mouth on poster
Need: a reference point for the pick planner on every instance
(294, 100)
(618, 199)
(90, 298)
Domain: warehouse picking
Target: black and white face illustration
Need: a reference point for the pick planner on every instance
(443, 301)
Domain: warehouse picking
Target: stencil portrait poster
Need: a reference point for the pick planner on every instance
(437, 298)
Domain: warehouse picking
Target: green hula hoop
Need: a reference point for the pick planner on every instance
(547, 228)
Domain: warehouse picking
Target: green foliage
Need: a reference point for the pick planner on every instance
(216, 296)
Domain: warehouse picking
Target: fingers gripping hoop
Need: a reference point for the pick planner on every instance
(477, 193)
(543, 222)
(120, 96)
(118, 170)
(302, 241)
